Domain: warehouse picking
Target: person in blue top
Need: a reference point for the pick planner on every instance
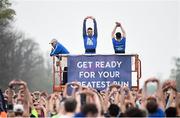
(119, 39)
(57, 48)
(90, 38)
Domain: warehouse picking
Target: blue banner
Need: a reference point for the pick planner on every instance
(99, 71)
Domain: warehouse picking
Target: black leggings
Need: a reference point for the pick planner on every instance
(65, 79)
(90, 51)
(119, 51)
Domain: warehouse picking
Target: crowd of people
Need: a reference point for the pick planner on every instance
(115, 101)
(155, 99)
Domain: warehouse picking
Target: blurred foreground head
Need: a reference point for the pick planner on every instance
(89, 110)
(18, 110)
(70, 105)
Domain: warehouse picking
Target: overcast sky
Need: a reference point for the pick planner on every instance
(152, 27)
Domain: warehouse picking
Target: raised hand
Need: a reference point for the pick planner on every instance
(118, 24)
(87, 17)
(91, 17)
(13, 82)
(114, 86)
(152, 80)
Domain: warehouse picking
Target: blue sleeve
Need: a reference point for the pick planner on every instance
(54, 52)
(95, 28)
(124, 38)
(113, 42)
(51, 53)
(84, 28)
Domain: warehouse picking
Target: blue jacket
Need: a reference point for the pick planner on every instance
(158, 113)
(119, 45)
(59, 49)
(90, 42)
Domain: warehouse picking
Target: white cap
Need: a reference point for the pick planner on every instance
(18, 108)
(52, 41)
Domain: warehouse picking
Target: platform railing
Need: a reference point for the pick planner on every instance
(58, 65)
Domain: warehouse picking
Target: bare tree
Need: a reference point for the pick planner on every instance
(20, 57)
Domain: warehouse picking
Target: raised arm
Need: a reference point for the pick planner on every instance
(123, 31)
(114, 31)
(84, 26)
(95, 26)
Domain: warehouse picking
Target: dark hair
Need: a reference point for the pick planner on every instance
(89, 28)
(151, 105)
(32, 116)
(113, 110)
(18, 113)
(135, 112)
(170, 112)
(70, 104)
(118, 35)
(89, 108)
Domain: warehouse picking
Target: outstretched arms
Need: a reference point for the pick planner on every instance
(95, 25)
(118, 24)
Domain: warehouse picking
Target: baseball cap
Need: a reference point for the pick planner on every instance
(52, 41)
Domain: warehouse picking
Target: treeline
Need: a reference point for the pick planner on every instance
(20, 57)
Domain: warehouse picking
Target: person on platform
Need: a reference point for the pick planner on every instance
(57, 48)
(90, 38)
(119, 39)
